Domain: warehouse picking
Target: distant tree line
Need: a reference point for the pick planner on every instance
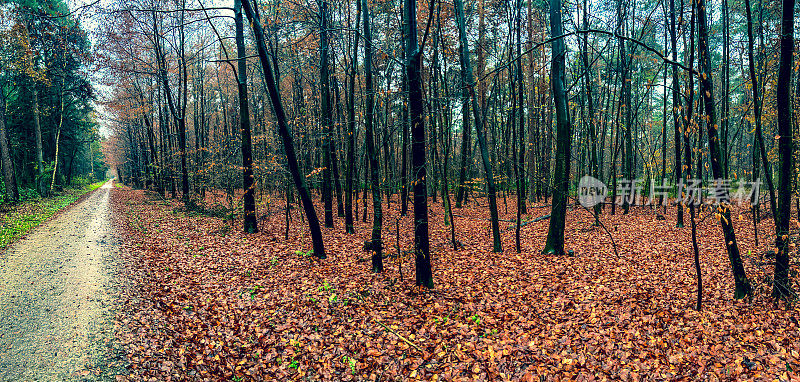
(48, 131)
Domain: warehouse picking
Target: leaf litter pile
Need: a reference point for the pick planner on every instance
(208, 302)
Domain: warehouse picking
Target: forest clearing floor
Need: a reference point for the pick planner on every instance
(212, 303)
(56, 293)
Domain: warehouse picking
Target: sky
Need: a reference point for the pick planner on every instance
(85, 10)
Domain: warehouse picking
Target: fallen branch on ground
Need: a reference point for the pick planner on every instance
(399, 336)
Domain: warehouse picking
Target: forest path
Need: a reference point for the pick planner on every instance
(56, 288)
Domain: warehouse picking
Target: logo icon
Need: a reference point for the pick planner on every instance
(591, 191)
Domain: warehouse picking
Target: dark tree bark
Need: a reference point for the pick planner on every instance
(688, 127)
(726, 84)
(469, 82)
(177, 106)
(351, 133)
(676, 86)
(466, 145)
(337, 180)
(37, 130)
(625, 101)
(706, 85)
(782, 287)
(182, 107)
(558, 214)
(404, 149)
(521, 187)
(594, 167)
(248, 183)
(283, 131)
(10, 179)
(757, 109)
(413, 69)
(325, 102)
(372, 153)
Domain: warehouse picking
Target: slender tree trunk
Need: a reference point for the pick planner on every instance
(372, 152)
(250, 221)
(782, 287)
(422, 251)
(521, 187)
(629, 171)
(558, 214)
(591, 120)
(37, 130)
(757, 109)
(688, 127)
(676, 86)
(707, 90)
(726, 84)
(58, 139)
(182, 119)
(662, 200)
(404, 149)
(334, 147)
(469, 81)
(283, 131)
(325, 81)
(695, 248)
(466, 145)
(351, 130)
(10, 179)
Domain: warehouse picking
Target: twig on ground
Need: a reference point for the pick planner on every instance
(413, 345)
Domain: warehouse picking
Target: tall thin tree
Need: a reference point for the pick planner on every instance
(351, 128)
(469, 82)
(372, 153)
(325, 104)
(558, 214)
(781, 287)
(724, 215)
(248, 181)
(413, 69)
(283, 130)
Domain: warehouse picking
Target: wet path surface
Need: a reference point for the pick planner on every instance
(56, 288)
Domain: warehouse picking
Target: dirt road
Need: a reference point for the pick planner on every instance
(56, 288)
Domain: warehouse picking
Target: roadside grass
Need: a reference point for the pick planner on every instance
(20, 218)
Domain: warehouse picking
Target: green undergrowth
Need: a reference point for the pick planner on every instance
(19, 219)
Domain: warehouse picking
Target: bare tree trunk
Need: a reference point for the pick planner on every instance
(372, 153)
(283, 131)
(404, 149)
(422, 251)
(466, 145)
(58, 139)
(12, 193)
(325, 101)
(250, 221)
(37, 130)
(593, 165)
(558, 214)
(469, 81)
(706, 84)
(521, 187)
(757, 108)
(182, 107)
(351, 133)
(782, 287)
(688, 127)
(676, 86)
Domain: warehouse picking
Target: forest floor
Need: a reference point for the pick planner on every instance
(56, 290)
(209, 302)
